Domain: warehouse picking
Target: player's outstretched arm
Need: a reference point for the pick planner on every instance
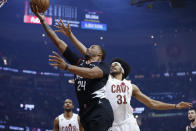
(61, 45)
(56, 124)
(57, 61)
(157, 105)
(66, 30)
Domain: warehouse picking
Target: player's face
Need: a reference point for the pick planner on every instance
(115, 69)
(192, 115)
(68, 104)
(92, 51)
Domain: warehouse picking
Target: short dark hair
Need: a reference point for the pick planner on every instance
(70, 100)
(190, 109)
(124, 65)
(103, 52)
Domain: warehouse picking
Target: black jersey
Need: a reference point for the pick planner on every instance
(89, 91)
(191, 129)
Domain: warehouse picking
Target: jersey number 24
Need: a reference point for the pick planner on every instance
(81, 85)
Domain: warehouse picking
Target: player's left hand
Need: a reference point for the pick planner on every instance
(66, 30)
(34, 9)
(183, 105)
(57, 61)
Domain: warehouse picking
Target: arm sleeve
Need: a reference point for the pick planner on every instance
(71, 57)
(104, 67)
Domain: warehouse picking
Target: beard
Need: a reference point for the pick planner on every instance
(114, 73)
(192, 120)
(87, 56)
(68, 110)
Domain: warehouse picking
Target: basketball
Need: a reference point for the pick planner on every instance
(41, 4)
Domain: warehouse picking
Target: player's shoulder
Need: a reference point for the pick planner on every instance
(60, 116)
(75, 114)
(128, 82)
(104, 62)
(134, 86)
(187, 127)
(56, 119)
(101, 63)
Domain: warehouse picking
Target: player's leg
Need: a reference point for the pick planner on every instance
(102, 117)
(131, 124)
(100, 124)
(96, 123)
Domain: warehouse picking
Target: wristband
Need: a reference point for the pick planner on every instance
(66, 67)
(175, 106)
(41, 20)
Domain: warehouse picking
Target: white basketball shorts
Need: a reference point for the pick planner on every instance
(128, 125)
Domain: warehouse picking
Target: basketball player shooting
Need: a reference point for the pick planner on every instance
(68, 121)
(119, 92)
(90, 75)
(120, 97)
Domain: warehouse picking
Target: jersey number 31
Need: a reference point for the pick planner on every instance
(121, 99)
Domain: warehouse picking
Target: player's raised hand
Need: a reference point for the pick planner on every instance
(34, 9)
(66, 30)
(57, 61)
(183, 105)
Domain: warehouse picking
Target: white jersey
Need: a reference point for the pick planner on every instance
(68, 125)
(119, 94)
